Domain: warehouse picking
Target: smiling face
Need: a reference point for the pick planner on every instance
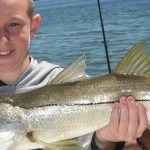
(16, 29)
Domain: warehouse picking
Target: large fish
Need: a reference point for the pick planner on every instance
(71, 106)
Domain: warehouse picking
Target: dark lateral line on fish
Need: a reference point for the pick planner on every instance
(111, 102)
(75, 104)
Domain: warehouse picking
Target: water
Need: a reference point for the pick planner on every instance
(70, 28)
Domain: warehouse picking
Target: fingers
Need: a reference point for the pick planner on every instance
(143, 119)
(133, 118)
(124, 115)
(138, 120)
(115, 118)
(128, 120)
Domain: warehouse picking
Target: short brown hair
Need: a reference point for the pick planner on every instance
(30, 11)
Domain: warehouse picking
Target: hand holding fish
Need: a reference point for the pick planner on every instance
(128, 121)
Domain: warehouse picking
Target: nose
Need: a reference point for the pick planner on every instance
(4, 38)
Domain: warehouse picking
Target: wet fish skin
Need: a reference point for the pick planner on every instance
(104, 89)
(90, 103)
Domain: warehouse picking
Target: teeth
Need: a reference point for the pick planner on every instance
(4, 53)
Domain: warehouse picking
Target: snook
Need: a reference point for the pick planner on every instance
(70, 107)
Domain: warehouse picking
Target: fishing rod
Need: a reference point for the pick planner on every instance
(104, 37)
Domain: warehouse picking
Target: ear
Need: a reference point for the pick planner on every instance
(35, 22)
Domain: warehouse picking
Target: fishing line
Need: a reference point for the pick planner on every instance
(104, 37)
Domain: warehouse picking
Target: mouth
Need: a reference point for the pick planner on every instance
(5, 54)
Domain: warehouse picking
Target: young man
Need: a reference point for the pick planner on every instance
(17, 27)
(19, 73)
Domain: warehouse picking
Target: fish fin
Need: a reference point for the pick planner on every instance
(12, 127)
(61, 145)
(26, 144)
(137, 61)
(10, 138)
(46, 146)
(69, 145)
(74, 72)
(6, 139)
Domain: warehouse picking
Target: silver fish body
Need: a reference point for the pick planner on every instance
(82, 106)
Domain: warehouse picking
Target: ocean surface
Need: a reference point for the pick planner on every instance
(70, 28)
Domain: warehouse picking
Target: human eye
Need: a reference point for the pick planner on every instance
(11, 25)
